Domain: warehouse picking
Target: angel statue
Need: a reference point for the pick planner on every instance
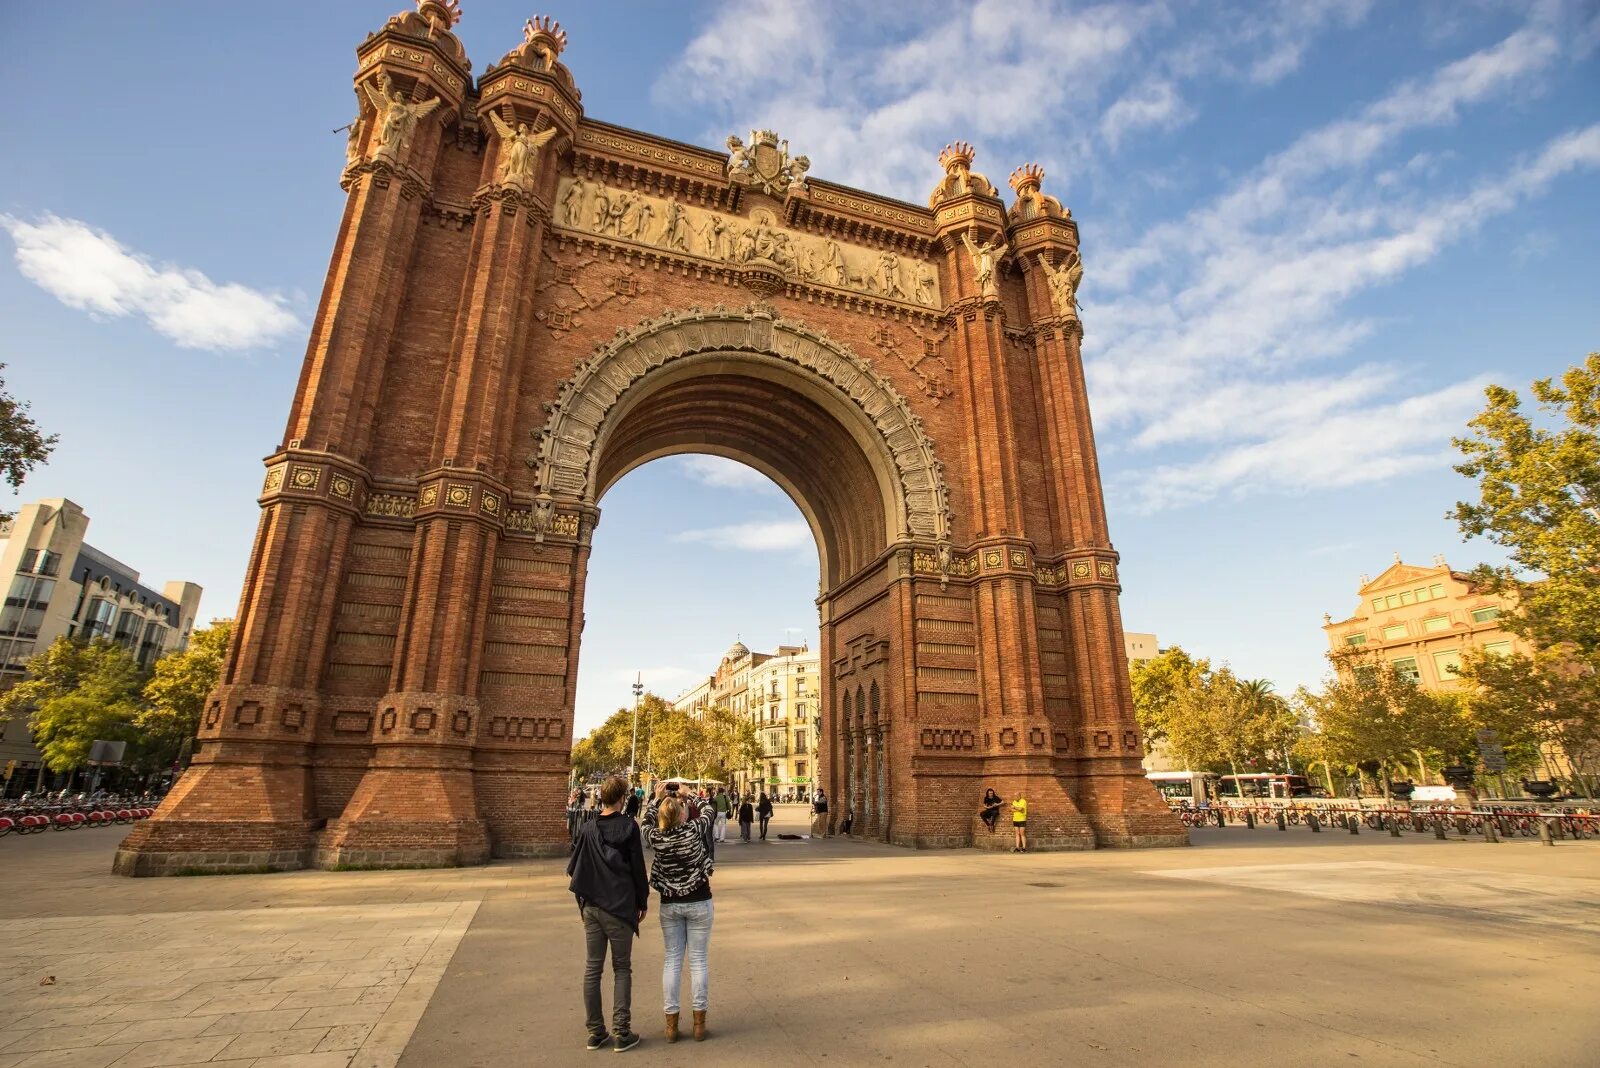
(984, 259)
(1063, 282)
(396, 117)
(738, 155)
(520, 148)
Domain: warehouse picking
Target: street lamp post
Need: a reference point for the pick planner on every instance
(633, 757)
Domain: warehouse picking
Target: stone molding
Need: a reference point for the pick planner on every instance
(566, 456)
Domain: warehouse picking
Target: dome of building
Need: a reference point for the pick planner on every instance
(737, 650)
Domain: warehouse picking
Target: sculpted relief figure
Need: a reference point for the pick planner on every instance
(1063, 282)
(396, 117)
(839, 271)
(352, 144)
(642, 219)
(985, 258)
(572, 203)
(889, 275)
(675, 228)
(713, 233)
(925, 284)
(519, 150)
(602, 209)
(738, 156)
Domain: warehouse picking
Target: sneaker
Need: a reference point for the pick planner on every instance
(627, 1041)
(597, 1041)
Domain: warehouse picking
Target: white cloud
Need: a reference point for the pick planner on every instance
(725, 474)
(90, 270)
(756, 536)
(1154, 105)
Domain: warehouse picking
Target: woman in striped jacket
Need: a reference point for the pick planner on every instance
(681, 874)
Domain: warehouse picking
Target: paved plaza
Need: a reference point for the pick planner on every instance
(1251, 947)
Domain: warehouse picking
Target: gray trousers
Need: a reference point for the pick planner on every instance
(600, 928)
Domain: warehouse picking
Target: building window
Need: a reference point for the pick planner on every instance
(800, 712)
(1498, 648)
(799, 741)
(1355, 639)
(25, 605)
(1407, 668)
(1377, 604)
(1484, 615)
(97, 621)
(800, 768)
(1447, 664)
(1436, 590)
(1397, 630)
(1435, 624)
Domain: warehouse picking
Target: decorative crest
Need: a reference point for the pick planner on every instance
(546, 36)
(765, 164)
(440, 13)
(959, 177)
(1026, 179)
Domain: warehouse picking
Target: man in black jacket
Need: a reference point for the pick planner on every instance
(613, 892)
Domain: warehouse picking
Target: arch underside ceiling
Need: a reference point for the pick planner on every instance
(769, 392)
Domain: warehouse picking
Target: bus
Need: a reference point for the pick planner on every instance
(1268, 784)
(1184, 787)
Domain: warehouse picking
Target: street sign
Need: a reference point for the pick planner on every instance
(1491, 752)
(103, 752)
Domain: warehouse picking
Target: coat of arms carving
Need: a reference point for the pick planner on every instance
(765, 164)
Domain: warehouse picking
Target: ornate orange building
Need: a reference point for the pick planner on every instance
(523, 305)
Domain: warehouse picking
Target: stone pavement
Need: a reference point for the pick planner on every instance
(1252, 947)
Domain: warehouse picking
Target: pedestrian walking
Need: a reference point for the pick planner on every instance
(990, 812)
(747, 816)
(724, 807)
(635, 803)
(1019, 823)
(681, 874)
(848, 821)
(608, 879)
(764, 813)
(819, 814)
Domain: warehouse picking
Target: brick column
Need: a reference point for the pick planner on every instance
(417, 802)
(248, 800)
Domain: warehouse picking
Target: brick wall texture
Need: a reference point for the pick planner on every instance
(483, 364)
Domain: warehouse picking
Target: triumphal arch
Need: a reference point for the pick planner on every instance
(525, 303)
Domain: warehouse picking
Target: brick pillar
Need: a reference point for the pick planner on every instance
(1097, 742)
(247, 802)
(1015, 737)
(417, 802)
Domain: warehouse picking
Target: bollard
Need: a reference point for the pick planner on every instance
(1311, 821)
(1355, 825)
(1438, 830)
(1489, 832)
(1544, 833)
(1222, 821)
(1416, 823)
(1394, 827)
(1282, 826)
(1250, 819)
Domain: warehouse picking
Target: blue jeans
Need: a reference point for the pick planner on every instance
(686, 924)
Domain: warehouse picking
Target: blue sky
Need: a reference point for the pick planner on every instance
(1312, 232)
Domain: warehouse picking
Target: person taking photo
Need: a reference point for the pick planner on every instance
(681, 874)
(608, 879)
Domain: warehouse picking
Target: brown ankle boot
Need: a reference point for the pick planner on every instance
(699, 1025)
(672, 1027)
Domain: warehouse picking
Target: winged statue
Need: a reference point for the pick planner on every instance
(397, 117)
(520, 149)
(1063, 283)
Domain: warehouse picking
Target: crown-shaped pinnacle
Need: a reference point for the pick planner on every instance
(543, 26)
(1029, 175)
(444, 13)
(957, 153)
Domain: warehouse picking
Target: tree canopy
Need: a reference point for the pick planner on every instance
(671, 742)
(76, 693)
(22, 446)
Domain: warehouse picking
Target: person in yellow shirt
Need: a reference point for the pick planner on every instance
(1019, 823)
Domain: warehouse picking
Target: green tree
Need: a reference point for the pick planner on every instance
(1536, 701)
(1157, 684)
(22, 447)
(76, 693)
(1539, 499)
(177, 691)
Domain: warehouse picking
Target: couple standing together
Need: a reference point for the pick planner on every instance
(613, 892)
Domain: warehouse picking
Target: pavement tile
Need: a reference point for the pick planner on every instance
(157, 1030)
(330, 1015)
(237, 1023)
(248, 1003)
(89, 1057)
(156, 1010)
(62, 1017)
(306, 1060)
(63, 1037)
(323, 980)
(172, 1051)
(344, 1037)
(274, 1043)
(311, 999)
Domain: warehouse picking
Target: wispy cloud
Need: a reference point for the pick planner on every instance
(90, 270)
(779, 535)
(725, 474)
